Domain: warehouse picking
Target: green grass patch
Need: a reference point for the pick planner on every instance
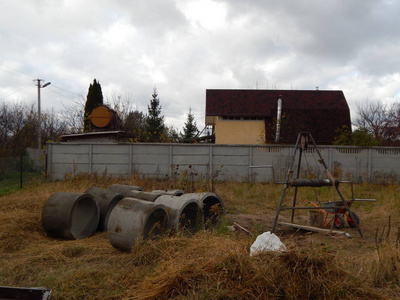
(12, 181)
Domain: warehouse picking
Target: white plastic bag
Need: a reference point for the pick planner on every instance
(267, 242)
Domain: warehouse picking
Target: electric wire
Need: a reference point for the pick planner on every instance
(16, 71)
(76, 94)
(20, 89)
(69, 97)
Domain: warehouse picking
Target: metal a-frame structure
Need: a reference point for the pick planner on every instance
(303, 139)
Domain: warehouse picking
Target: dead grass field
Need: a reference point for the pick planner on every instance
(214, 263)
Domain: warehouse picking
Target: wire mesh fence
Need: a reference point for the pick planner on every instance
(18, 169)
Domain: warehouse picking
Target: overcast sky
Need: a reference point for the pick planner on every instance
(183, 47)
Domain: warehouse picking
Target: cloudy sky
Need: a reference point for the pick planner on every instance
(183, 47)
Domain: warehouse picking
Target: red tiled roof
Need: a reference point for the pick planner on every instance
(263, 103)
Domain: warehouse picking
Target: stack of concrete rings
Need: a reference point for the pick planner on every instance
(128, 213)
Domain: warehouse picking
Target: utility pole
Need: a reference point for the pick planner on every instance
(39, 85)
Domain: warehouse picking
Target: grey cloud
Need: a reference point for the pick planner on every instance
(132, 46)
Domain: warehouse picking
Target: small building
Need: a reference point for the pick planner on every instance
(252, 117)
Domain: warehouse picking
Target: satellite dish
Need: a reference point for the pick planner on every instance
(100, 116)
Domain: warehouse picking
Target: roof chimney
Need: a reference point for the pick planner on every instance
(278, 119)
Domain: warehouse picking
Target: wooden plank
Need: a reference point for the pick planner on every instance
(242, 228)
(311, 228)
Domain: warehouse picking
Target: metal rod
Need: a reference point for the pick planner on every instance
(39, 114)
(279, 209)
(295, 189)
(261, 166)
(310, 182)
(311, 207)
(370, 200)
(288, 175)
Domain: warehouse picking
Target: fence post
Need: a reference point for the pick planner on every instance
(20, 169)
(171, 159)
(90, 158)
(211, 166)
(369, 165)
(250, 170)
(130, 159)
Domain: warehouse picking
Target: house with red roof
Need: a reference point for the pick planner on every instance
(275, 116)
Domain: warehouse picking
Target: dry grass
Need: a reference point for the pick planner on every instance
(213, 264)
(219, 268)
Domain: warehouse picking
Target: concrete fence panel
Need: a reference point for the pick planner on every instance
(229, 162)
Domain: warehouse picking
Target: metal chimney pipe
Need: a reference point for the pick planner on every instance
(278, 119)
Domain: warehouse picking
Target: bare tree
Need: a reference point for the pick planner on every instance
(12, 118)
(19, 127)
(73, 115)
(4, 127)
(391, 130)
(380, 121)
(53, 126)
(27, 135)
(372, 117)
(123, 105)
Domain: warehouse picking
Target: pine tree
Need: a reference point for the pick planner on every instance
(154, 121)
(94, 99)
(190, 130)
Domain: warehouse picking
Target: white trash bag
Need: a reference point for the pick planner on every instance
(267, 242)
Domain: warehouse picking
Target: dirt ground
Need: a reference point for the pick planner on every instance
(352, 245)
(261, 223)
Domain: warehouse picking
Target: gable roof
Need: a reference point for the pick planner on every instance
(263, 103)
(320, 112)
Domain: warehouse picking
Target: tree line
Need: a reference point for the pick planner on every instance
(376, 124)
(19, 123)
(19, 128)
(140, 127)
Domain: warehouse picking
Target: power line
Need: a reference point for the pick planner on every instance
(16, 71)
(71, 96)
(15, 92)
(30, 76)
(66, 90)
